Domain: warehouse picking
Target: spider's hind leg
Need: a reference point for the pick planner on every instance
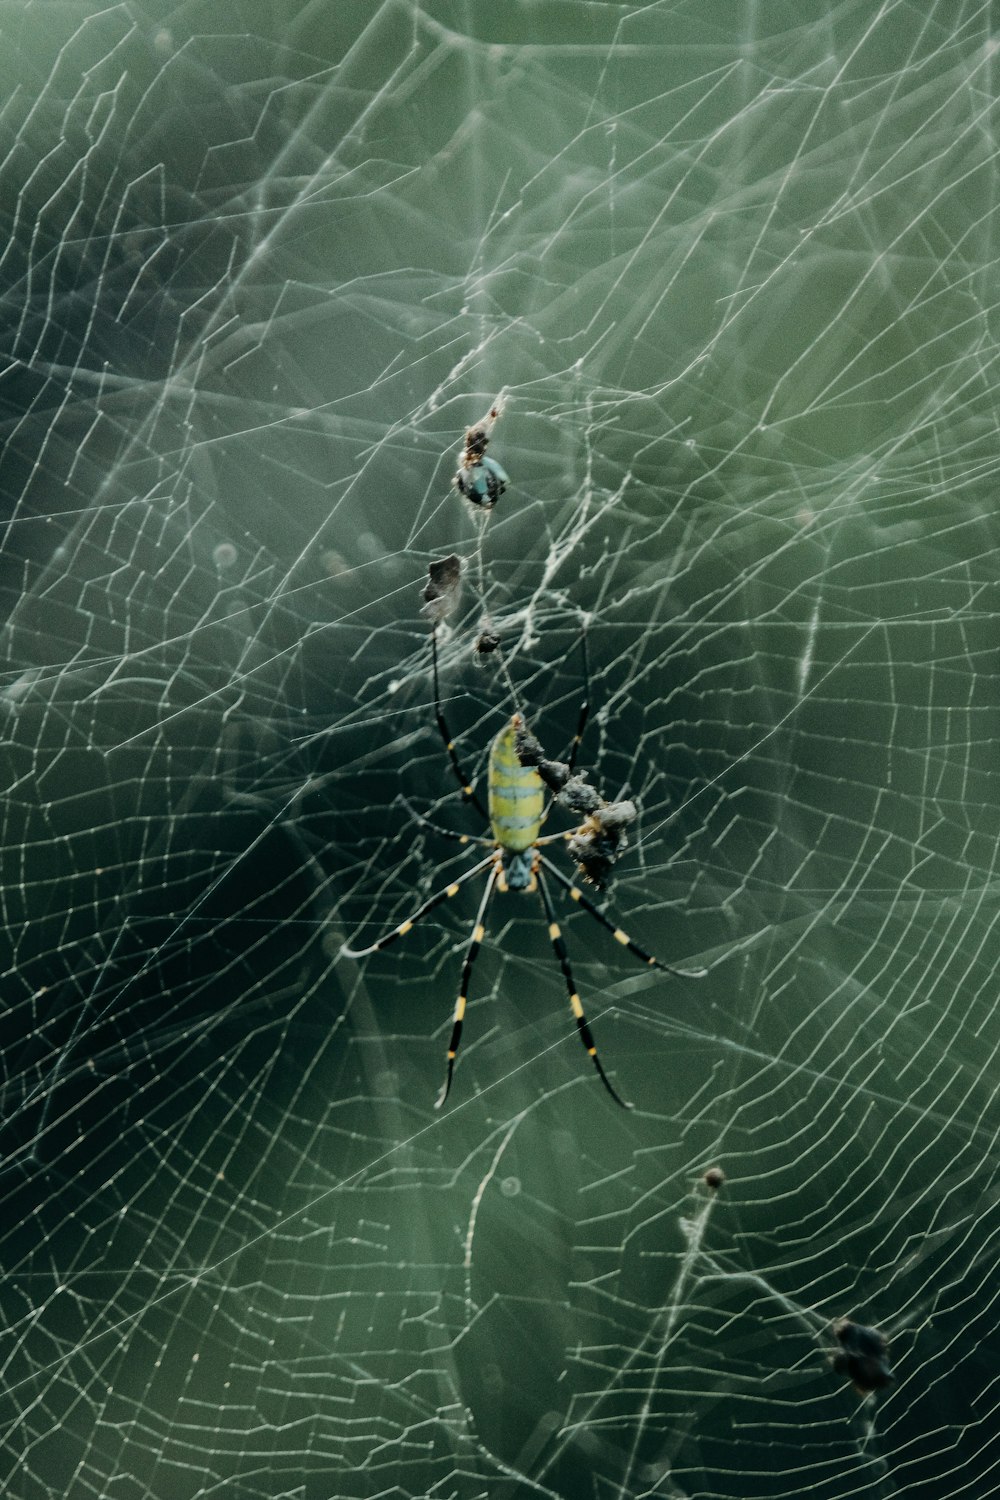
(472, 951)
(586, 1036)
(616, 932)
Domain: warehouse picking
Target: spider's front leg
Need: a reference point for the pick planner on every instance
(576, 1004)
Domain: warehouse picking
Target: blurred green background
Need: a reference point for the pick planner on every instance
(733, 269)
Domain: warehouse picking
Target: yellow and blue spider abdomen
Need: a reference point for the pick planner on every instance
(516, 794)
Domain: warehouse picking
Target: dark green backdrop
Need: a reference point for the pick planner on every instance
(734, 269)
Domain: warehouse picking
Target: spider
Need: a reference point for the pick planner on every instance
(517, 809)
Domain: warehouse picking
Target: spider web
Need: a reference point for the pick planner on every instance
(734, 269)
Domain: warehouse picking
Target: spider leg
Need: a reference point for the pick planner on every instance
(445, 833)
(428, 906)
(467, 789)
(586, 1036)
(463, 988)
(616, 932)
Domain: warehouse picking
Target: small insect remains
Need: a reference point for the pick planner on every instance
(443, 588)
(863, 1357)
(518, 779)
(481, 479)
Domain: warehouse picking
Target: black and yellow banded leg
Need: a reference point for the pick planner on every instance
(616, 932)
(468, 791)
(444, 833)
(418, 916)
(586, 1035)
(478, 932)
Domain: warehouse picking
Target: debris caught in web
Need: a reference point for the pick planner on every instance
(488, 638)
(600, 840)
(480, 479)
(863, 1357)
(443, 588)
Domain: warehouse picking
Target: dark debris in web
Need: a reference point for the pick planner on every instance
(443, 588)
(480, 479)
(863, 1357)
(601, 839)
